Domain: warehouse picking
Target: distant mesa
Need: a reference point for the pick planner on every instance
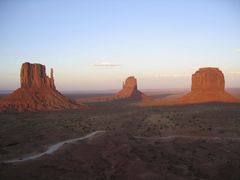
(208, 85)
(37, 92)
(130, 91)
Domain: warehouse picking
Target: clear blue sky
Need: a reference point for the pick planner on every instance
(95, 44)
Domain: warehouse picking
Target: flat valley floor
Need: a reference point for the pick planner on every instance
(195, 142)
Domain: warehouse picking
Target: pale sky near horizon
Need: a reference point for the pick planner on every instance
(96, 44)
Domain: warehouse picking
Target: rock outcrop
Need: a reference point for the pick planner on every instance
(130, 90)
(208, 85)
(208, 79)
(37, 92)
(34, 76)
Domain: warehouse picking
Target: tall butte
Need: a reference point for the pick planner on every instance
(37, 92)
(208, 85)
(34, 76)
(130, 91)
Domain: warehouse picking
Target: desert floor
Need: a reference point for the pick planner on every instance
(174, 142)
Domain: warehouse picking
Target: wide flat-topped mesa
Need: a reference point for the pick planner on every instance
(208, 85)
(206, 79)
(130, 91)
(37, 92)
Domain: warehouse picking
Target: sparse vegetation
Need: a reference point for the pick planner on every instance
(31, 132)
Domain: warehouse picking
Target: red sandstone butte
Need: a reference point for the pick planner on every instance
(208, 85)
(34, 75)
(130, 90)
(37, 92)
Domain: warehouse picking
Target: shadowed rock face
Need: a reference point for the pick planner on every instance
(130, 90)
(37, 92)
(208, 85)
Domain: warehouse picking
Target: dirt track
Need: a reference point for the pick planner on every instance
(113, 156)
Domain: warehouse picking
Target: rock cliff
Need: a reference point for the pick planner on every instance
(208, 85)
(37, 92)
(207, 79)
(130, 91)
(34, 75)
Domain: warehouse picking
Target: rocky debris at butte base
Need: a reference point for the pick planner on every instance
(130, 91)
(37, 92)
(208, 85)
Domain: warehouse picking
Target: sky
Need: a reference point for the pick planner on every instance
(96, 44)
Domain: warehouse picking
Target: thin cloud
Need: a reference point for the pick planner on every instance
(236, 72)
(106, 64)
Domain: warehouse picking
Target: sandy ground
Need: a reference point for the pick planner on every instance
(193, 153)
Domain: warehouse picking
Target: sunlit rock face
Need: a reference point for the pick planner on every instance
(208, 79)
(34, 75)
(208, 85)
(130, 91)
(37, 92)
